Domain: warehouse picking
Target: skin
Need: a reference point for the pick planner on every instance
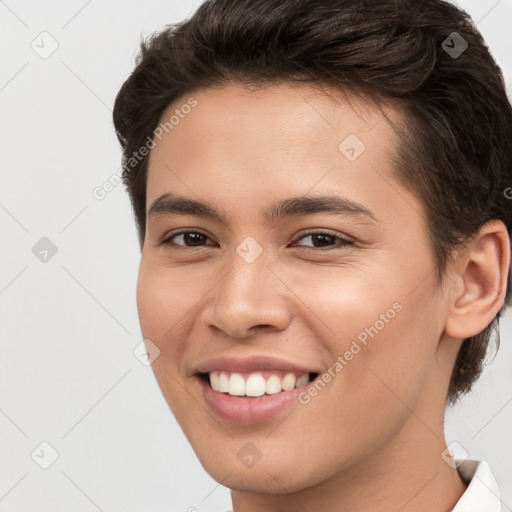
(372, 439)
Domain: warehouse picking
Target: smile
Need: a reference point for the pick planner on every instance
(258, 383)
(251, 397)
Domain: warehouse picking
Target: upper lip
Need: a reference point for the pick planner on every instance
(248, 364)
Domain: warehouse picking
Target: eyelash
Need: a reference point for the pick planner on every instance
(344, 241)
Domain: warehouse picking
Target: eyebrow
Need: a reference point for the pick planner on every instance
(171, 204)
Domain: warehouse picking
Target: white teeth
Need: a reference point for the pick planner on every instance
(273, 385)
(303, 379)
(214, 380)
(255, 384)
(288, 382)
(236, 385)
(223, 382)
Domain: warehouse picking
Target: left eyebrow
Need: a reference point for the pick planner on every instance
(308, 205)
(171, 204)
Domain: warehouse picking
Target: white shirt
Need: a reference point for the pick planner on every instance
(482, 494)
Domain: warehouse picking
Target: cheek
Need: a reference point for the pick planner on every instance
(383, 337)
(160, 309)
(164, 297)
(395, 359)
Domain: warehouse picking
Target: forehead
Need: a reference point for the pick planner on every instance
(308, 107)
(238, 142)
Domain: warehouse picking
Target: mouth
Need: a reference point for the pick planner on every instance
(236, 405)
(247, 390)
(255, 384)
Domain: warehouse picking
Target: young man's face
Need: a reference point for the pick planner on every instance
(250, 286)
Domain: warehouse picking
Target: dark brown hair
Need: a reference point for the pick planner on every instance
(455, 151)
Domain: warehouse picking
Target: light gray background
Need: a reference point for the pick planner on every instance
(68, 326)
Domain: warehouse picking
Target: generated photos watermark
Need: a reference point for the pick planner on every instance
(355, 347)
(101, 191)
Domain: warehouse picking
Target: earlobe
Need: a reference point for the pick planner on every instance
(481, 273)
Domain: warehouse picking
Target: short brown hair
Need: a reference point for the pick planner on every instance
(456, 151)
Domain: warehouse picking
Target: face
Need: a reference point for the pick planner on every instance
(340, 290)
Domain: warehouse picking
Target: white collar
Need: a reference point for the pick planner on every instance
(482, 494)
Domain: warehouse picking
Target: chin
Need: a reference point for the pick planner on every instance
(276, 476)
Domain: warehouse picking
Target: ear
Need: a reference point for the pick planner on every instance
(478, 281)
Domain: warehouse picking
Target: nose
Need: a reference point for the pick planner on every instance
(249, 297)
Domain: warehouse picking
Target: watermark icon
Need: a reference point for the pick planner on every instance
(44, 455)
(508, 192)
(342, 360)
(351, 147)
(454, 454)
(249, 249)
(100, 192)
(146, 352)
(44, 250)
(45, 45)
(454, 45)
(248, 455)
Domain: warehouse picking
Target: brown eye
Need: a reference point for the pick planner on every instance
(188, 239)
(324, 239)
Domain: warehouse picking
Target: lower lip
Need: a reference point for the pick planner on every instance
(248, 410)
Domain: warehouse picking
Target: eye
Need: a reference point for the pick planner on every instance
(195, 238)
(325, 239)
